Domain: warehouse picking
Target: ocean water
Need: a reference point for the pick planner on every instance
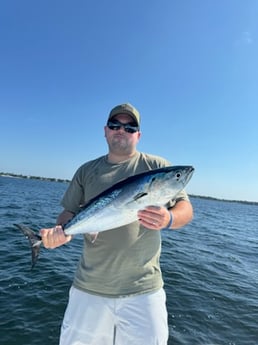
(210, 270)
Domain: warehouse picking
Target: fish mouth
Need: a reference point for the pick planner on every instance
(189, 174)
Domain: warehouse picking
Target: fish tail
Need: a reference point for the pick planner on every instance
(34, 240)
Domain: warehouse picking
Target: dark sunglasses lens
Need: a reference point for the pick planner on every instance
(113, 126)
(130, 129)
(127, 127)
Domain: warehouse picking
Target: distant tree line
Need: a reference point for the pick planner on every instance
(226, 200)
(51, 179)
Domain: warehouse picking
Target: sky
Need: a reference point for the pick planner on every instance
(189, 66)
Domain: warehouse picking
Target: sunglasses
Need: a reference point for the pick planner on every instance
(116, 125)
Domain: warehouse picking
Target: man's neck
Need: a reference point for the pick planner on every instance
(115, 158)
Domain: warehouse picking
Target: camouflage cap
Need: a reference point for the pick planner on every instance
(126, 108)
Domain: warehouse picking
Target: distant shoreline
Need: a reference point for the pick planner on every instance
(33, 177)
(67, 181)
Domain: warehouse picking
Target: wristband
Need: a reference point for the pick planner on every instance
(170, 220)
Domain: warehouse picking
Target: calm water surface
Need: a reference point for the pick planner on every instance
(210, 270)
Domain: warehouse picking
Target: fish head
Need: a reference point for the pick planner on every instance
(171, 180)
(180, 174)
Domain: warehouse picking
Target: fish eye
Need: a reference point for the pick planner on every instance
(178, 175)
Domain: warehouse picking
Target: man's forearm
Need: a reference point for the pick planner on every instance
(182, 214)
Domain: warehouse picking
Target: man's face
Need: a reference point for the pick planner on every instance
(120, 141)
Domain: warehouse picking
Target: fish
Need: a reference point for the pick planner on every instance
(118, 205)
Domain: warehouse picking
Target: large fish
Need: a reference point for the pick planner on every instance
(119, 204)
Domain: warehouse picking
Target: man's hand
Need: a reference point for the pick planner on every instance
(154, 217)
(54, 237)
(158, 218)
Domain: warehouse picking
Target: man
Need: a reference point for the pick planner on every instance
(117, 297)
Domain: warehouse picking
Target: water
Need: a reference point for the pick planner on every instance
(210, 270)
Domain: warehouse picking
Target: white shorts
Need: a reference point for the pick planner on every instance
(96, 320)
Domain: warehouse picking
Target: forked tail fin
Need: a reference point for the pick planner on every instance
(35, 242)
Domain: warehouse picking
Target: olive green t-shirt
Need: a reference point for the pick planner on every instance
(122, 261)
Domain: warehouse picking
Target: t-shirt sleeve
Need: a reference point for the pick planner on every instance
(73, 197)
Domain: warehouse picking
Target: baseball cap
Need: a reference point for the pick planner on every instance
(125, 108)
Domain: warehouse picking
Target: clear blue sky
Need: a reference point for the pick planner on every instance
(190, 67)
